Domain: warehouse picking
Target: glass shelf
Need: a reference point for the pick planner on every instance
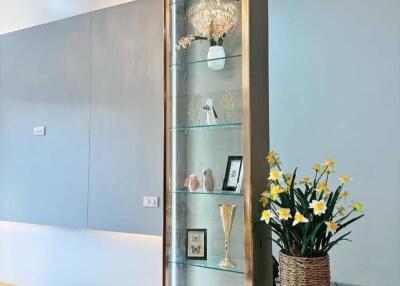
(234, 125)
(202, 192)
(227, 58)
(218, 95)
(211, 263)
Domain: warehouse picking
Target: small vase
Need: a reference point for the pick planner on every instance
(227, 213)
(216, 52)
(304, 271)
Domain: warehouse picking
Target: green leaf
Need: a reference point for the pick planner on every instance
(275, 228)
(276, 203)
(328, 246)
(331, 204)
(345, 217)
(292, 201)
(312, 197)
(349, 222)
(285, 200)
(302, 199)
(310, 238)
(276, 241)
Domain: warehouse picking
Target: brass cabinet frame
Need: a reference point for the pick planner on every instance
(258, 255)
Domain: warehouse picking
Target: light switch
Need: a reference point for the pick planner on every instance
(150, 202)
(39, 131)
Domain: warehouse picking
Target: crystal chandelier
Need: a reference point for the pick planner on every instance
(214, 19)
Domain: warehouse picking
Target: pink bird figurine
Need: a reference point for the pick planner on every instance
(192, 182)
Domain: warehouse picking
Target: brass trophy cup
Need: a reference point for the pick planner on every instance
(227, 212)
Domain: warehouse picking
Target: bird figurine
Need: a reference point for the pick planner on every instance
(211, 114)
(208, 180)
(192, 182)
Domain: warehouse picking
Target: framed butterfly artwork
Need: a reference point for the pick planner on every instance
(196, 244)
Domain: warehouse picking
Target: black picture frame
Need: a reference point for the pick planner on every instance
(189, 250)
(232, 180)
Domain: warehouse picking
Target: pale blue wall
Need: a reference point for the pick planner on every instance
(335, 92)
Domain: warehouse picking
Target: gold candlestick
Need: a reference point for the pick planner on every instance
(227, 213)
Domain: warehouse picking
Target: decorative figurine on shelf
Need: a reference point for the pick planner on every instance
(213, 21)
(192, 182)
(210, 112)
(208, 180)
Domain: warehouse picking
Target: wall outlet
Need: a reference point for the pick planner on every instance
(39, 131)
(150, 202)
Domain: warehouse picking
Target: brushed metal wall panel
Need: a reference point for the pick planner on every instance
(96, 82)
(45, 80)
(127, 117)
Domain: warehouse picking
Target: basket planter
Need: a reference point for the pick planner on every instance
(304, 271)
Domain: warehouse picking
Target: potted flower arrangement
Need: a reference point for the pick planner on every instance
(308, 217)
(213, 21)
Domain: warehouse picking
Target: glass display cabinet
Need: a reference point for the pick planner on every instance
(216, 138)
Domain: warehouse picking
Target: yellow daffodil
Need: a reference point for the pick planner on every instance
(266, 216)
(264, 200)
(331, 226)
(306, 181)
(318, 206)
(344, 179)
(272, 157)
(329, 164)
(274, 174)
(284, 214)
(322, 187)
(317, 167)
(275, 191)
(342, 210)
(357, 206)
(344, 194)
(299, 218)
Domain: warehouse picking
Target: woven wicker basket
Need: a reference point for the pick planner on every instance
(303, 271)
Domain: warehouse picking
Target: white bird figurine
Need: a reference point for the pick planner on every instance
(208, 180)
(210, 112)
